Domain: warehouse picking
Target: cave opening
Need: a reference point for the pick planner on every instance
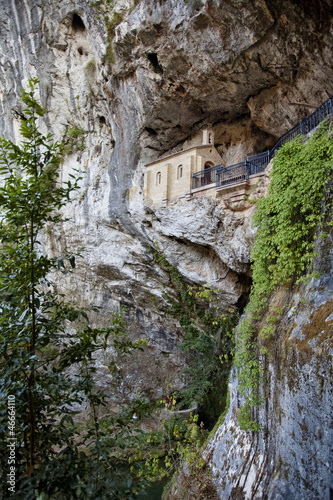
(246, 282)
(151, 131)
(77, 23)
(153, 59)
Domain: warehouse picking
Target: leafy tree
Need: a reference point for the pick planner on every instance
(47, 344)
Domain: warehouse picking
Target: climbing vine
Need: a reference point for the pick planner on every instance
(289, 221)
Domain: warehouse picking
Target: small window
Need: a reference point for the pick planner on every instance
(158, 178)
(180, 172)
(209, 138)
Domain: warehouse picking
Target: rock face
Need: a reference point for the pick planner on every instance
(292, 457)
(143, 83)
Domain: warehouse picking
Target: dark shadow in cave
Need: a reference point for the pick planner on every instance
(153, 59)
(77, 23)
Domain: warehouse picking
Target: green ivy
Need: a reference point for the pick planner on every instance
(289, 221)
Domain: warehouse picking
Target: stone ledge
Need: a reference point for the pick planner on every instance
(241, 188)
(203, 188)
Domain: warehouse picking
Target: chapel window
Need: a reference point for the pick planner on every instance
(158, 178)
(180, 172)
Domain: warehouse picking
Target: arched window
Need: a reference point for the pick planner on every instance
(180, 172)
(209, 138)
(158, 178)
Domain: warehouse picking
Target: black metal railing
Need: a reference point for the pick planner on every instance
(256, 164)
(205, 177)
(232, 174)
(305, 126)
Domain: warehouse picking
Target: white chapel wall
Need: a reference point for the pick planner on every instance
(171, 177)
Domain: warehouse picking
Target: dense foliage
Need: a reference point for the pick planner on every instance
(208, 342)
(179, 441)
(289, 220)
(47, 344)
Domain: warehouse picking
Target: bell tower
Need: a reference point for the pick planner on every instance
(207, 137)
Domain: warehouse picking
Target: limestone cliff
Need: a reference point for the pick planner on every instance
(125, 82)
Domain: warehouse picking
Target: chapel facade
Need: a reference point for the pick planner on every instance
(170, 178)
